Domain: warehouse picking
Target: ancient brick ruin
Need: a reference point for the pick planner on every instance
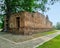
(28, 23)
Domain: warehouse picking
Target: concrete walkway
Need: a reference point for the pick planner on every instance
(35, 42)
(27, 44)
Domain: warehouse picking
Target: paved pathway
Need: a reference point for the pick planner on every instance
(27, 44)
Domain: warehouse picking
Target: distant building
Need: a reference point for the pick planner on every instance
(28, 23)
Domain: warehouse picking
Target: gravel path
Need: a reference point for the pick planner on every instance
(4, 43)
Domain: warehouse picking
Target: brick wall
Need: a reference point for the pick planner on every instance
(29, 23)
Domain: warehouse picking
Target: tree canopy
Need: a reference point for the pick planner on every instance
(58, 25)
(25, 5)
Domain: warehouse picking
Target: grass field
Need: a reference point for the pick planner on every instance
(44, 33)
(54, 43)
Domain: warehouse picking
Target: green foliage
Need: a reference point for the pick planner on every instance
(54, 43)
(1, 25)
(54, 27)
(26, 5)
(1, 21)
(58, 25)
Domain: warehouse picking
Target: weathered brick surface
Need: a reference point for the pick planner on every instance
(29, 23)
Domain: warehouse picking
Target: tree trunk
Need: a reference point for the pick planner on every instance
(8, 12)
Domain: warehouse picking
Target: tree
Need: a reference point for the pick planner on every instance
(1, 21)
(12, 6)
(54, 27)
(58, 25)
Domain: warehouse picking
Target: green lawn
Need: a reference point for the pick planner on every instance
(44, 33)
(54, 43)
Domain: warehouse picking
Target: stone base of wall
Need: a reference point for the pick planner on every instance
(33, 31)
(27, 31)
(16, 31)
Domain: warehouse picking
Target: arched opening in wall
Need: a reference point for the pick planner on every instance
(18, 22)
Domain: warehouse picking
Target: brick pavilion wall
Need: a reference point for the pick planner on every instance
(29, 23)
(36, 22)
